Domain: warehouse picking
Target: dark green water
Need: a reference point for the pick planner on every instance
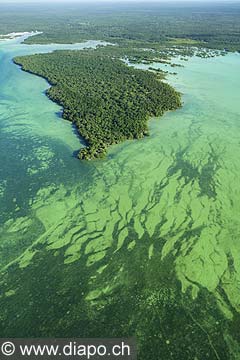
(144, 243)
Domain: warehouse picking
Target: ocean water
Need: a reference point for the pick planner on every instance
(144, 243)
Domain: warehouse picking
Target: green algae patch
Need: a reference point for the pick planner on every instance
(19, 224)
(26, 259)
(10, 293)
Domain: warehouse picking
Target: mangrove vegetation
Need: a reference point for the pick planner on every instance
(107, 100)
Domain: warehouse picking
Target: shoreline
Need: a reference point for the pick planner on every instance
(17, 35)
(86, 152)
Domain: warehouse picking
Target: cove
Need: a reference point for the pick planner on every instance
(144, 243)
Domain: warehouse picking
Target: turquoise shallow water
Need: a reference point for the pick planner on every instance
(144, 243)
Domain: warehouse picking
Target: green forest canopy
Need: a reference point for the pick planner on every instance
(212, 25)
(107, 100)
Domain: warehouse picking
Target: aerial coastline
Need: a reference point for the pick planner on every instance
(17, 35)
(96, 125)
(104, 112)
(143, 240)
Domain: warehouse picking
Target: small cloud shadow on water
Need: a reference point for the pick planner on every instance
(59, 114)
(75, 154)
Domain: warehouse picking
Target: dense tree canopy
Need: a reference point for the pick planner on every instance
(107, 100)
(214, 25)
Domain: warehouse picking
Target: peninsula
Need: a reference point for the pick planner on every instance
(107, 100)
